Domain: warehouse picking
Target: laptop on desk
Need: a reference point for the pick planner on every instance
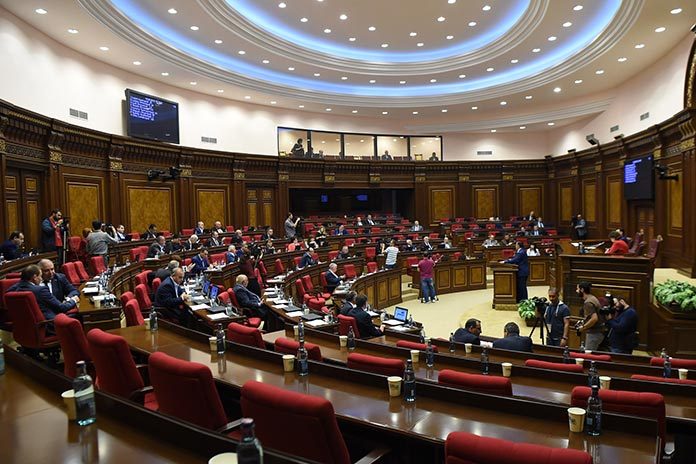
(400, 317)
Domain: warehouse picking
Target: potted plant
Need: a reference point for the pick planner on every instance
(527, 311)
(676, 295)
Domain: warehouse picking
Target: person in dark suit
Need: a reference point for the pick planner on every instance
(512, 340)
(308, 259)
(231, 254)
(30, 281)
(52, 231)
(333, 280)
(121, 233)
(12, 247)
(268, 235)
(217, 227)
(297, 150)
(171, 298)
(150, 233)
(192, 243)
(470, 333)
(408, 246)
(369, 220)
(248, 299)
(200, 262)
(416, 227)
(215, 240)
(57, 283)
(174, 245)
(165, 272)
(348, 303)
(200, 228)
(341, 230)
(520, 258)
(157, 248)
(365, 326)
(426, 245)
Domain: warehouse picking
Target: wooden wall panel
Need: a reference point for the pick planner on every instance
(589, 200)
(565, 202)
(268, 213)
(614, 201)
(212, 205)
(84, 205)
(150, 205)
(441, 203)
(530, 199)
(11, 183)
(32, 224)
(485, 201)
(11, 217)
(675, 208)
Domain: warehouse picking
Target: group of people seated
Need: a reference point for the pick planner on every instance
(512, 340)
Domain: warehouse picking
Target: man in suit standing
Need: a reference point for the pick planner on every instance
(157, 248)
(512, 340)
(470, 333)
(291, 226)
(200, 262)
(172, 299)
(333, 280)
(52, 232)
(248, 299)
(520, 259)
(200, 228)
(57, 284)
(30, 281)
(364, 321)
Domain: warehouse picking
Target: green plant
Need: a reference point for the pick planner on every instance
(674, 292)
(526, 309)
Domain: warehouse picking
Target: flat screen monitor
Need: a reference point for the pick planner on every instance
(639, 179)
(214, 289)
(206, 288)
(400, 314)
(151, 117)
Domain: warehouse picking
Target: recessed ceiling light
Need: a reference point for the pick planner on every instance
(343, 17)
(317, 74)
(344, 78)
(413, 34)
(552, 38)
(449, 37)
(474, 107)
(414, 112)
(661, 29)
(622, 59)
(676, 11)
(402, 82)
(265, 61)
(472, 23)
(385, 45)
(40, 11)
(327, 31)
(300, 106)
(273, 102)
(352, 39)
(536, 50)
(523, 127)
(372, 28)
(486, 8)
(462, 76)
(73, 31)
(372, 81)
(640, 45)
(599, 71)
(567, 24)
(494, 130)
(328, 109)
(528, 97)
(194, 28)
(218, 41)
(490, 69)
(241, 52)
(514, 61)
(165, 74)
(291, 68)
(451, 2)
(247, 97)
(385, 112)
(432, 81)
(172, 11)
(104, 49)
(282, 5)
(578, 81)
(577, 7)
(557, 89)
(550, 123)
(304, 20)
(220, 91)
(419, 44)
(193, 82)
(444, 110)
(137, 63)
(355, 111)
(503, 103)
(440, 19)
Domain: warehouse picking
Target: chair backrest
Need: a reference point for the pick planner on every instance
(278, 267)
(414, 345)
(156, 282)
(349, 242)
(262, 268)
(133, 254)
(651, 378)
(233, 298)
(376, 364)
(642, 404)
(244, 335)
(411, 261)
(322, 280)
(5, 285)
(307, 282)
(290, 346)
(482, 383)
(370, 252)
(259, 279)
(126, 297)
(116, 371)
(133, 315)
(229, 228)
(73, 343)
(345, 323)
(300, 288)
(677, 363)
(74, 243)
(467, 448)
(143, 297)
(135, 235)
(186, 390)
(349, 271)
(141, 277)
(554, 366)
(653, 248)
(224, 298)
(507, 253)
(97, 264)
(456, 255)
(591, 357)
(273, 408)
(71, 273)
(371, 267)
(81, 271)
(297, 260)
(333, 255)
(186, 232)
(26, 316)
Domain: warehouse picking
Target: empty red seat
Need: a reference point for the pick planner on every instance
(345, 323)
(81, 271)
(5, 285)
(278, 267)
(370, 252)
(245, 335)
(143, 297)
(333, 255)
(126, 297)
(73, 343)
(186, 232)
(141, 277)
(224, 298)
(311, 301)
(156, 282)
(290, 346)
(97, 265)
(507, 253)
(478, 382)
(554, 366)
(349, 271)
(349, 242)
(133, 315)
(414, 345)
(591, 357)
(309, 287)
(376, 364)
(651, 378)
(677, 363)
(371, 267)
(71, 273)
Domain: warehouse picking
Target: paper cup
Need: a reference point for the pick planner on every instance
(97, 304)
(683, 374)
(507, 369)
(343, 340)
(212, 341)
(414, 356)
(467, 347)
(580, 361)
(288, 362)
(394, 383)
(604, 382)
(69, 400)
(296, 330)
(588, 351)
(147, 324)
(576, 419)
(223, 458)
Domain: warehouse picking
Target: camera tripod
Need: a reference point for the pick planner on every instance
(542, 325)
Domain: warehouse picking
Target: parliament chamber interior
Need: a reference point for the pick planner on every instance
(329, 231)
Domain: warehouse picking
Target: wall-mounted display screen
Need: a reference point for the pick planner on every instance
(639, 179)
(151, 118)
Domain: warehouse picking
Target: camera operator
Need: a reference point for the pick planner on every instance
(593, 324)
(557, 317)
(622, 323)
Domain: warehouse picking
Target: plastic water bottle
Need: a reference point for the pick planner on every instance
(410, 320)
(422, 335)
(302, 364)
(667, 370)
(409, 383)
(451, 343)
(582, 346)
(153, 321)
(566, 355)
(351, 338)
(300, 331)
(220, 335)
(429, 354)
(249, 450)
(593, 416)
(663, 353)
(84, 395)
(592, 375)
(2, 359)
(484, 360)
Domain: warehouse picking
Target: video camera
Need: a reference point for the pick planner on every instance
(610, 307)
(540, 304)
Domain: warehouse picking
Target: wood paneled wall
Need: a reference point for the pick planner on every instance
(46, 163)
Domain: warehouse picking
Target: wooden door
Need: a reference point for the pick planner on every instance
(23, 209)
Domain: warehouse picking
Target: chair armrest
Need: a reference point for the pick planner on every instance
(138, 396)
(44, 322)
(374, 455)
(229, 426)
(144, 373)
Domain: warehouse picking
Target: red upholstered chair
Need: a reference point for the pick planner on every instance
(73, 343)
(290, 346)
(468, 235)
(349, 242)
(591, 357)
(414, 345)
(156, 282)
(217, 258)
(376, 230)
(273, 408)
(261, 267)
(29, 324)
(251, 321)
(322, 280)
(186, 390)
(246, 238)
(371, 267)
(187, 262)
(456, 256)
(651, 378)
(433, 235)
(245, 335)
(259, 279)
(186, 232)
(370, 252)
(552, 232)
(309, 287)
(307, 298)
(5, 285)
(126, 297)
(135, 235)
(554, 366)
(345, 323)
(229, 228)
(297, 260)
(477, 382)
(507, 253)
(467, 448)
(257, 238)
(166, 233)
(116, 371)
(74, 247)
(349, 271)
(141, 278)
(653, 248)
(96, 264)
(71, 273)
(224, 298)
(133, 315)
(143, 297)
(81, 271)
(278, 267)
(333, 255)
(677, 363)
(134, 255)
(376, 364)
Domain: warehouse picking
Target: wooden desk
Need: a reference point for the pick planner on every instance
(455, 276)
(504, 286)
(383, 288)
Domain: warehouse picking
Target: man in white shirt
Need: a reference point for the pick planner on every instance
(392, 252)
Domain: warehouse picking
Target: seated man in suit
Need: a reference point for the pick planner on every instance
(200, 228)
(165, 272)
(30, 281)
(217, 227)
(268, 235)
(512, 340)
(333, 280)
(369, 220)
(408, 246)
(433, 157)
(344, 253)
(416, 227)
(446, 244)
(470, 333)
(535, 232)
(348, 303)
(540, 223)
(358, 222)
(157, 248)
(426, 246)
(192, 243)
(522, 232)
(341, 230)
(12, 247)
(174, 245)
(150, 233)
(490, 241)
(215, 240)
(121, 233)
(308, 258)
(57, 283)
(237, 238)
(231, 254)
(386, 156)
(365, 326)
(171, 298)
(248, 299)
(200, 262)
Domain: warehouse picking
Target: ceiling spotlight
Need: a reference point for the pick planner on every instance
(552, 38)
(372, 81)
(137, 63)
(494, 130)
(528, 97)
(432, 81)
(247, 97)
(327, 31)
(218, 41)
(474, 107)
(440, 19)
(291, 68)
(472, 23)
(451, 2)
(536, 50)
(343, 17)
(503, 103)
(165, 74)
(444, 110)
(599, 71)
(385, 112)
(523, 127)
(193, 82)
(303, 20)
(557, 89)
(577, 8)
(282, 5)
(622, 59)
(384, 45)
(419, 44)
(550, 123)
(300, 106)
(578, 81)
(352, 39)
(273, 102)
(402, 82)
(414, 112)
(449, 37)
(591, 139)
(317, 74)
(567, 24)
(194, 28)
(372, 28)
(486, 8)
(413, 34)
(490, 69)
(676, 11)
(344, 78)
(514, 61)
(661, 29)
(104, 49)
(241, 52)
(328, 109)
(220, 91)
(639, 46)
(265, 61)
(73, 31)
(40, 11)
(172, 11)
(354, 112)
(462, 76)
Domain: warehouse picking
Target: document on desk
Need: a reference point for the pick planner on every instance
(295, 314)
(217, 316)
(90, 290)
(282, 306)
(316, 323)
(372, 313)
(393, 322)
(199, 306)
(278, 301)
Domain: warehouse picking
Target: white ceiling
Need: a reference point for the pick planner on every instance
(446, 84)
